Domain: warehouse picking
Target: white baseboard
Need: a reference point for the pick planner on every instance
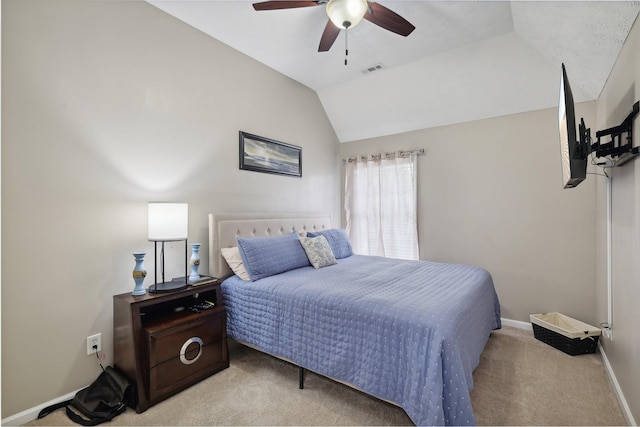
(516, 324)
(616, 386)
(31, 414)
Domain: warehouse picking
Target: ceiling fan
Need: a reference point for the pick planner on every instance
(344, 14)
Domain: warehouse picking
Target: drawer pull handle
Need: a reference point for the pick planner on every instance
(183, 350)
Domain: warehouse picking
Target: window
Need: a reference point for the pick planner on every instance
(380, 205)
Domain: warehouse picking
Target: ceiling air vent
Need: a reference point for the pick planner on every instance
(373, 68)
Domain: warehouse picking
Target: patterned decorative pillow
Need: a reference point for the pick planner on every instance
(318, 251)
(266, 256)
(233, 258)
(338, 241)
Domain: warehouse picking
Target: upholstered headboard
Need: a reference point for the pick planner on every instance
(224, 228)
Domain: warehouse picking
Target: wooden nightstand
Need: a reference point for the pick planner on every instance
(163, 346)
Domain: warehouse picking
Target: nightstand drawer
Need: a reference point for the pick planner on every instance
(184, 340)
(184, 353)
(174, 374)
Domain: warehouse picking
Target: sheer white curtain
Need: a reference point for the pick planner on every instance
(380, 205)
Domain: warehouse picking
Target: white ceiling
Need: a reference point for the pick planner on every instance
(466, 60)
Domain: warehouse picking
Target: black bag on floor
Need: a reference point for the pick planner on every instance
(108, 396)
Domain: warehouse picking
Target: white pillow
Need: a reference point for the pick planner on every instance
(318, 251)
(233, 258)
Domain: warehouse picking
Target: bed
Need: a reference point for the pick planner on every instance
(408, 332)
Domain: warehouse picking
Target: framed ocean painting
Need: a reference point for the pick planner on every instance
(266, 155)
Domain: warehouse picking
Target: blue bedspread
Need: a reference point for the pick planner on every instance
(410, 332)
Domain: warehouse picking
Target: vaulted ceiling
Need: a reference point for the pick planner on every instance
(466, 60)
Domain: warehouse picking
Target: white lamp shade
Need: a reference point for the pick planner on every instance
(168, 221)
(351, 11)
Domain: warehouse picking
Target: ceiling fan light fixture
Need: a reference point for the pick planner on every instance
(346, 13)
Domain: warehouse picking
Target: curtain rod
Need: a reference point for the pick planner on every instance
(416, 151)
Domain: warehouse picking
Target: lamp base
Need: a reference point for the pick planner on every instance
(167, 287)
(200, 280)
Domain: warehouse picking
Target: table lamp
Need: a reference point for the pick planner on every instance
(168, 222)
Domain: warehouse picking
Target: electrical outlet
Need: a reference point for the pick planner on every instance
(94, 340)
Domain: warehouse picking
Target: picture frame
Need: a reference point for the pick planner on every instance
(260, 154)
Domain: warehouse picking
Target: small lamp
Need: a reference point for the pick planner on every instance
(168, 222)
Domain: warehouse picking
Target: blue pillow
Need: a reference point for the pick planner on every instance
(338, 241)
(266, 256)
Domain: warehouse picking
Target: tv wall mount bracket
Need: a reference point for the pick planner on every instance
(620, 147)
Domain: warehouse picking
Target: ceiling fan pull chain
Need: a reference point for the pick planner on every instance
(346, 46)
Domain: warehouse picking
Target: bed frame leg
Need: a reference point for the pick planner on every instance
(301, 378)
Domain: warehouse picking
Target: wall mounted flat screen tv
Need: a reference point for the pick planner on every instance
(573, 151)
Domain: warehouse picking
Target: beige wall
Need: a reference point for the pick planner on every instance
(106, 106)
(490, 194)
(623, 351)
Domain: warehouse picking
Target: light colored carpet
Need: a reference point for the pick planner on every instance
(520, 381)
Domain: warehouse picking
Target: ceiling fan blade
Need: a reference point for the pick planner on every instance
(329, 35)
(388, 19)
(286, 4)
